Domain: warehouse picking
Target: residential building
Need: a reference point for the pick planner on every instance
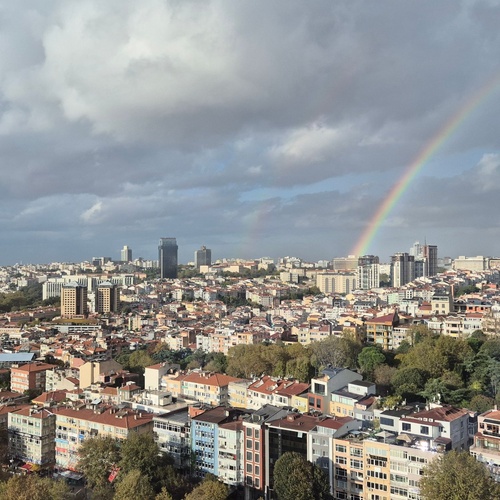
(336, 282)
(379, 330)
(154, 375)
(29, 377)
(273, 391)
(205, 444)
(486, 447)
(402, 269)
(107, 298)
(207, 388)
(73, 300)
(322, 387)
(98, 371)
(173, 436)
(75, 424)
(167, 258)
(368, 272)
(31, 436)
(254, 465)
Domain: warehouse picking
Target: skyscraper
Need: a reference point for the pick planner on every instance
(203, 257)
(126, 254)
(167, 258)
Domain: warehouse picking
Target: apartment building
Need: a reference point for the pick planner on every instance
(207, 388)
(382, 466)
(205, 444)
(31, 436)
(486, 447)
(379, 330)
(75, 424)
(255, 446)
(29, 377)
(173, 435)
(274, 391)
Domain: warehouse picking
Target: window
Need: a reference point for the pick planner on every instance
(257, 470)
(249, 456)
(249, 444)
(340, 448)
(257, 458)
(356, 464)
(257, 434)
(406, 426)
(424, 429)
(249, 432)
(249, 468)
(256, 446)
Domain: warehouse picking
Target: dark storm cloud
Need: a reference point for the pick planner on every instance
(124, 121)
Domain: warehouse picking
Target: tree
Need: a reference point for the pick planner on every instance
(134, 486)
(140, 452)
(457, 476)
(383, 375)
(209, 489)
(481, 403)
(97, 457)
(297, 479)
(407, 381)
(334, 351)
(369, 359)
(164, 495)
(33, 487)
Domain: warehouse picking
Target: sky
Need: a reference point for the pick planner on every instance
(254, 128)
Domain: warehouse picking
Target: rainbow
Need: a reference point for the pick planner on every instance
(418, 163)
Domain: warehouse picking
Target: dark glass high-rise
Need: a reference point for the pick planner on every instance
(167, 258)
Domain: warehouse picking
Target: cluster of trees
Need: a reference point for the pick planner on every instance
(25, 298)
(294, 360)
(143, 473)
(462, 372)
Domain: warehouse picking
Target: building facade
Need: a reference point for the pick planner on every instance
(167, 258)
(73, 300)
(203, 257)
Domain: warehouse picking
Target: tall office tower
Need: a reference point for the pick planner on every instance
(402, 269)
(73, 300)
(368, 272)
(203, 257)
(430, 253)
(126, 254)
(107, 298)
(167, 258)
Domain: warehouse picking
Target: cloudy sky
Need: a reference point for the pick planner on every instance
(252, 127)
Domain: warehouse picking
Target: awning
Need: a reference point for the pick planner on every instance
(442, 440)
(405, 437)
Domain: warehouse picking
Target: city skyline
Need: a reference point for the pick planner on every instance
(255, 129)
